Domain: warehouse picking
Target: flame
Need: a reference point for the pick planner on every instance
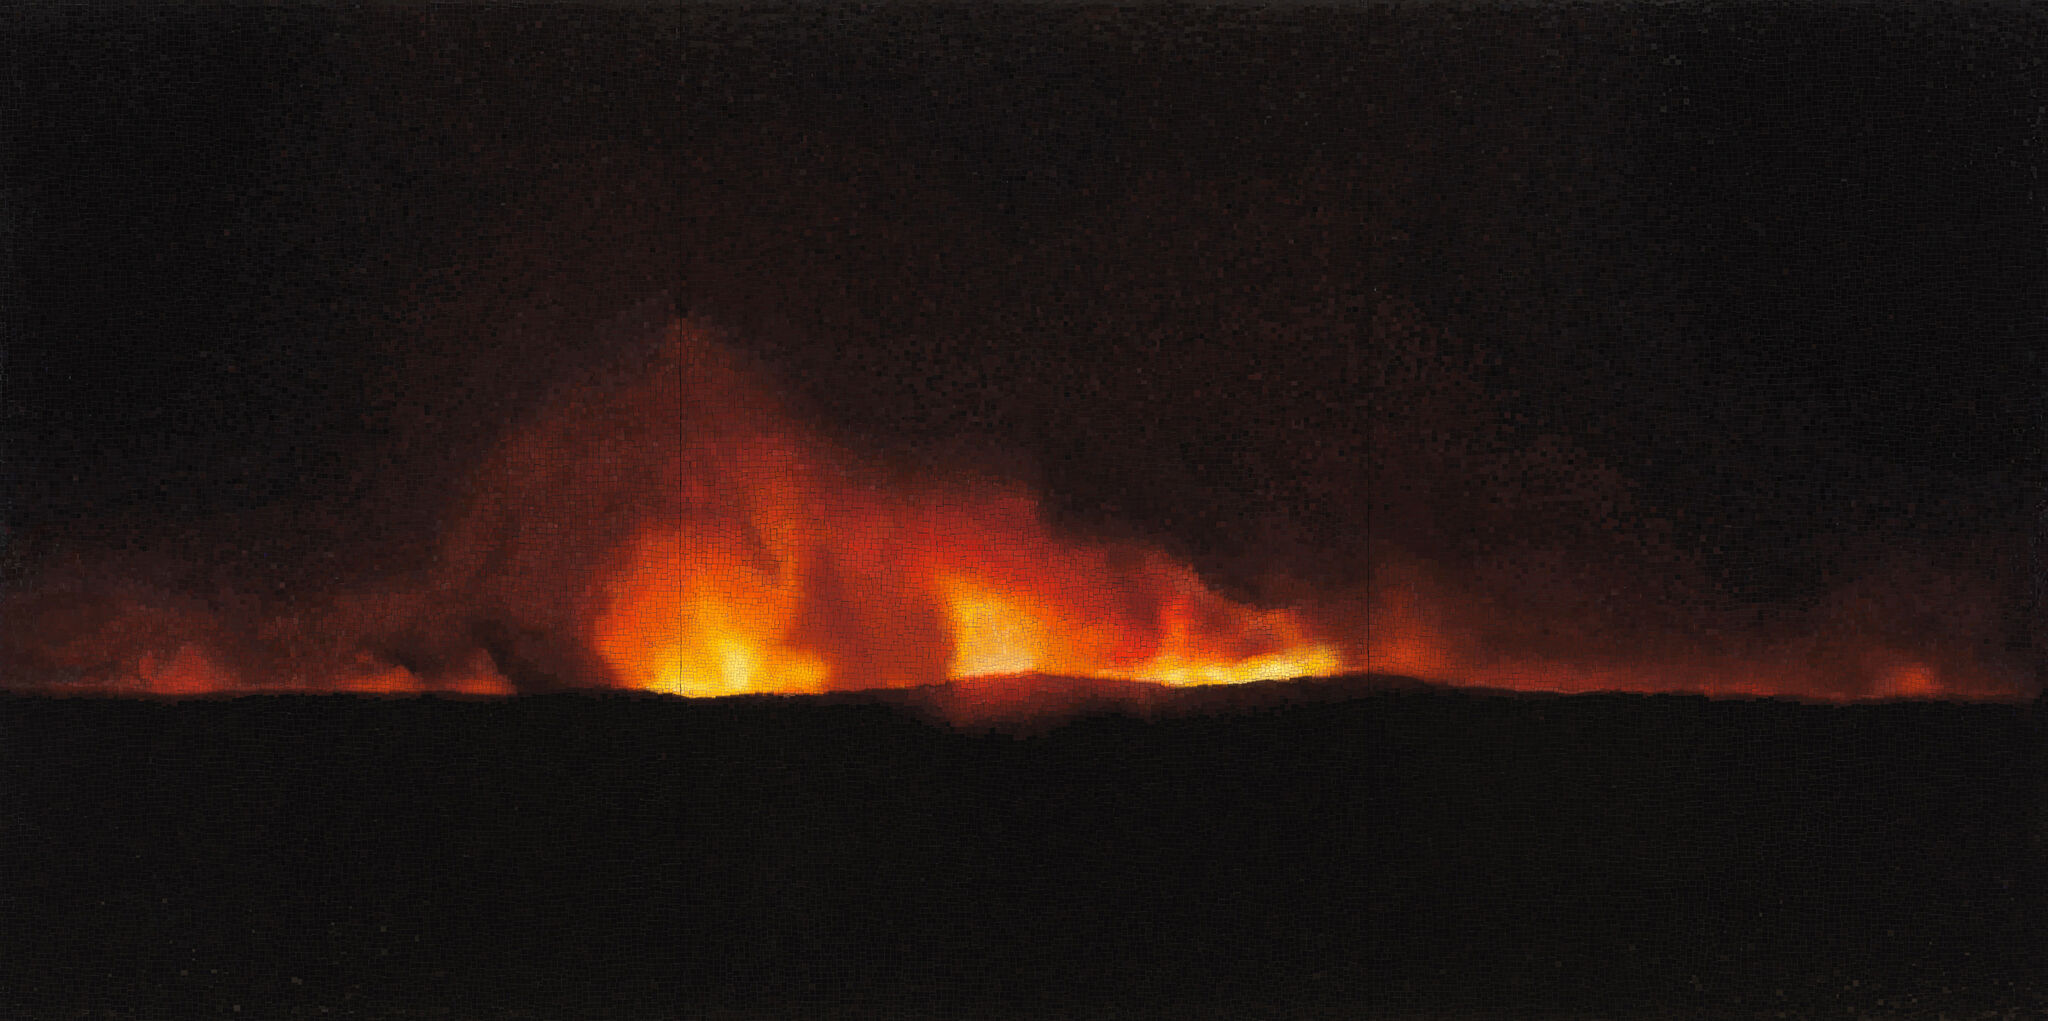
(817, 584)
(671, 527)
(689, 618)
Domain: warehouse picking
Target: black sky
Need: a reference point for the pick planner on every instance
(281, 277)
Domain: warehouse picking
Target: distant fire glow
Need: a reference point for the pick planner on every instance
(670, 528)
(806, 577)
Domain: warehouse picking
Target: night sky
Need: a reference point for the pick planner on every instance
(1753, 289)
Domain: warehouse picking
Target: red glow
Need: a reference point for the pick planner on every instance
(676, 531)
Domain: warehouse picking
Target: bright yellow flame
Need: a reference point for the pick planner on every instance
(991, 635)
(712, 621)
(995, 634)
(1313, 661)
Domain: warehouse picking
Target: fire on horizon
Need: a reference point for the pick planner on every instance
(1503, 384)
(673, 530)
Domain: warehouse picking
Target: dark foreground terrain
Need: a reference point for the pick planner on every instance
(1375, 854)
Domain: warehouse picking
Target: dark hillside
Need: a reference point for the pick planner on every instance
(1386, 853)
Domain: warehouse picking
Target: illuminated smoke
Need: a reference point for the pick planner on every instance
(671, 525)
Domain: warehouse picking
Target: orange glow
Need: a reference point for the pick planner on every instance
(696, 540)
(187, 671)
(673, 529)
(1912, 681)
(706, 622)
(810, 590)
